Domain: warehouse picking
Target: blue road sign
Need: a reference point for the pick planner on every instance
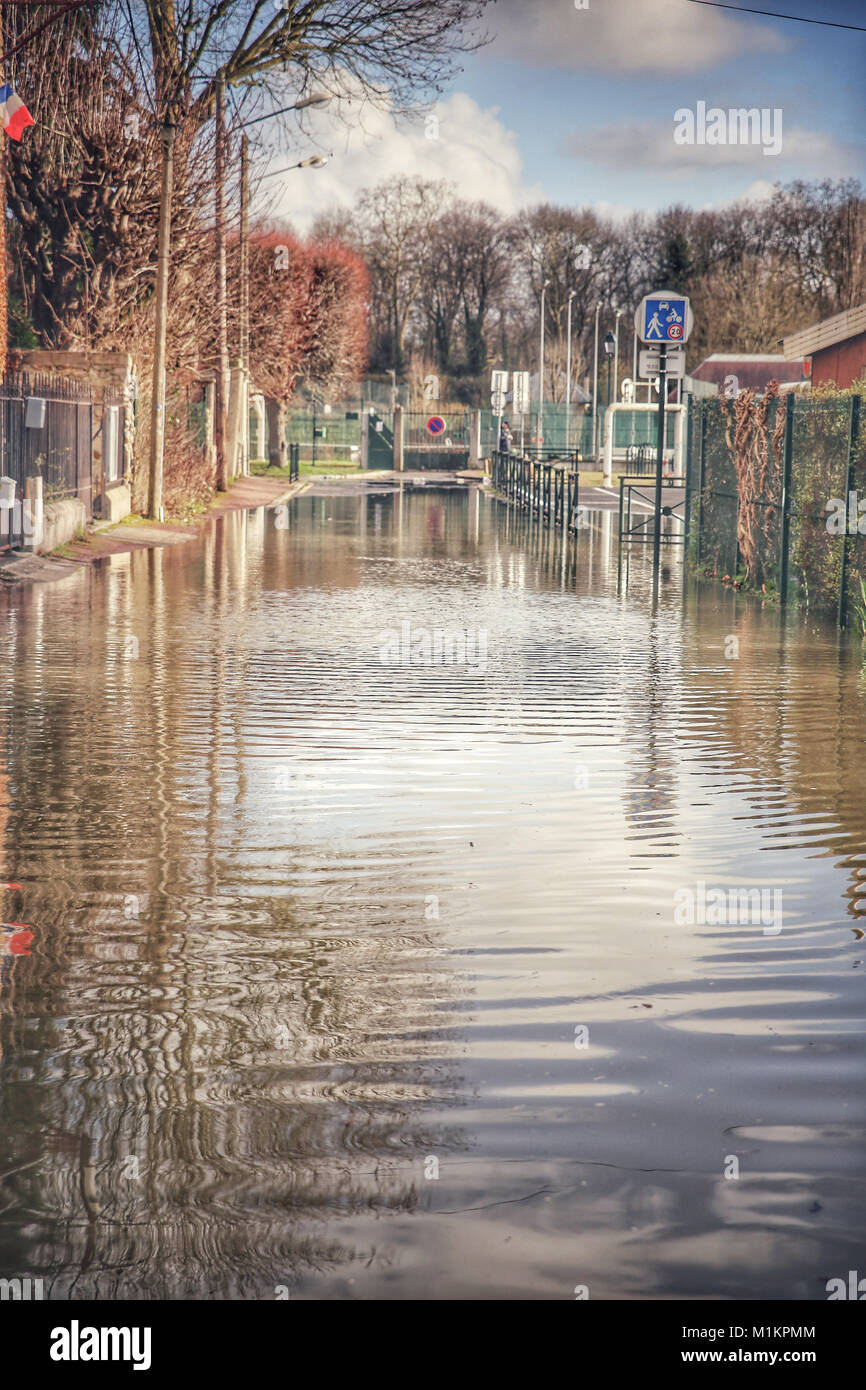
(664, 318)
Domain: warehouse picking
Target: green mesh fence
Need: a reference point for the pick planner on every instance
(812, 548)
(332, 435)
(819, 468)
(636, 427)
(713, 520)
(557, 429)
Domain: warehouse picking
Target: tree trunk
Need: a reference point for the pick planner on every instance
(4, 326)
(278, 453)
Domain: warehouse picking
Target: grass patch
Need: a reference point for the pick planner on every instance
(259, 468)
(306, 469)
(328, 466)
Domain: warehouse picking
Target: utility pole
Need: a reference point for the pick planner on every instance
(221, 306)
(245, 256)
(571, 295)
(243, 424)
(540, 422)
(157, 415)
(595, 439)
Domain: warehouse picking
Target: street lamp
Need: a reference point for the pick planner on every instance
(616, 354)
(313, 161)
(595, 388)
(314, 99)
(541, 373)
(609, 350)
(609, 346)
(571, 295)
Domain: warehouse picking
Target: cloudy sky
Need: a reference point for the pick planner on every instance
(577, 105)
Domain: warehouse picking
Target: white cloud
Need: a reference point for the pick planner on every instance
(626, 36)
(472, 149)
(640, 145)
(758, 191)
(617, 212)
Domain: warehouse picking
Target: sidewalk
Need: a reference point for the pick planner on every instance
(244, 494)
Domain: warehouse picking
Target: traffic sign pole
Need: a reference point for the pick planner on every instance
(660, 452)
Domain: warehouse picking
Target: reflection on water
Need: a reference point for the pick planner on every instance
(362, 980)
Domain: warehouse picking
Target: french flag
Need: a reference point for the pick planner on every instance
(14, 116)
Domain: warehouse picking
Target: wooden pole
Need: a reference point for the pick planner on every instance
(222, 310)
(244, 423)
(157, 415)
(245, 255)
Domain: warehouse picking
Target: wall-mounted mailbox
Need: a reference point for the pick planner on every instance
(34, 413)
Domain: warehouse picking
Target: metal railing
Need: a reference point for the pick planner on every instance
(640, 459)
(547, 489)
(642, 527)
(54, 444)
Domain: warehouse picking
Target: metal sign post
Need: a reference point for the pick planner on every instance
(520, 400)
(663, 321)
(649, 362)
(660, 453)
(498, 389)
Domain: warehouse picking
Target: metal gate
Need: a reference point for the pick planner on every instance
(380, 441)
(438, 442)
(53, 442)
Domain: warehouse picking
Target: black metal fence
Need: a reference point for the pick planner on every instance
(548, 490)
(774, 501)
(45, 431)
(640, 460)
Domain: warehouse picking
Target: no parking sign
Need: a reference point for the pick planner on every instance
(435, 425)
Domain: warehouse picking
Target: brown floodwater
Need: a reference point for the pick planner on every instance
(333, 974)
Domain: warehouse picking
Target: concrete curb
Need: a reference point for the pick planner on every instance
(123, 538)
(293, 490)
(36, 569)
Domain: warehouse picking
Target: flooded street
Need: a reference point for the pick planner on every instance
(354, 977)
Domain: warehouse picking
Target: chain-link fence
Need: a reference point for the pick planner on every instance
(774, 487)
(557, 429)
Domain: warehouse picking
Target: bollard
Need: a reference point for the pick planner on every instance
(34, 514)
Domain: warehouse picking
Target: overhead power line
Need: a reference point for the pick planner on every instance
(774, 14)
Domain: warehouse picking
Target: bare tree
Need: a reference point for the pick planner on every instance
(478, 236)
(394, 218)
(385, 47)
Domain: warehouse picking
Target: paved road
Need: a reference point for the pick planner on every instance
(606, 499)
(597, 499)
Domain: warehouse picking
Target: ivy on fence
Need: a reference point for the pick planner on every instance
(767, 477)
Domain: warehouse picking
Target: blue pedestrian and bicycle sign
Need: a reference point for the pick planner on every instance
(663, 318)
